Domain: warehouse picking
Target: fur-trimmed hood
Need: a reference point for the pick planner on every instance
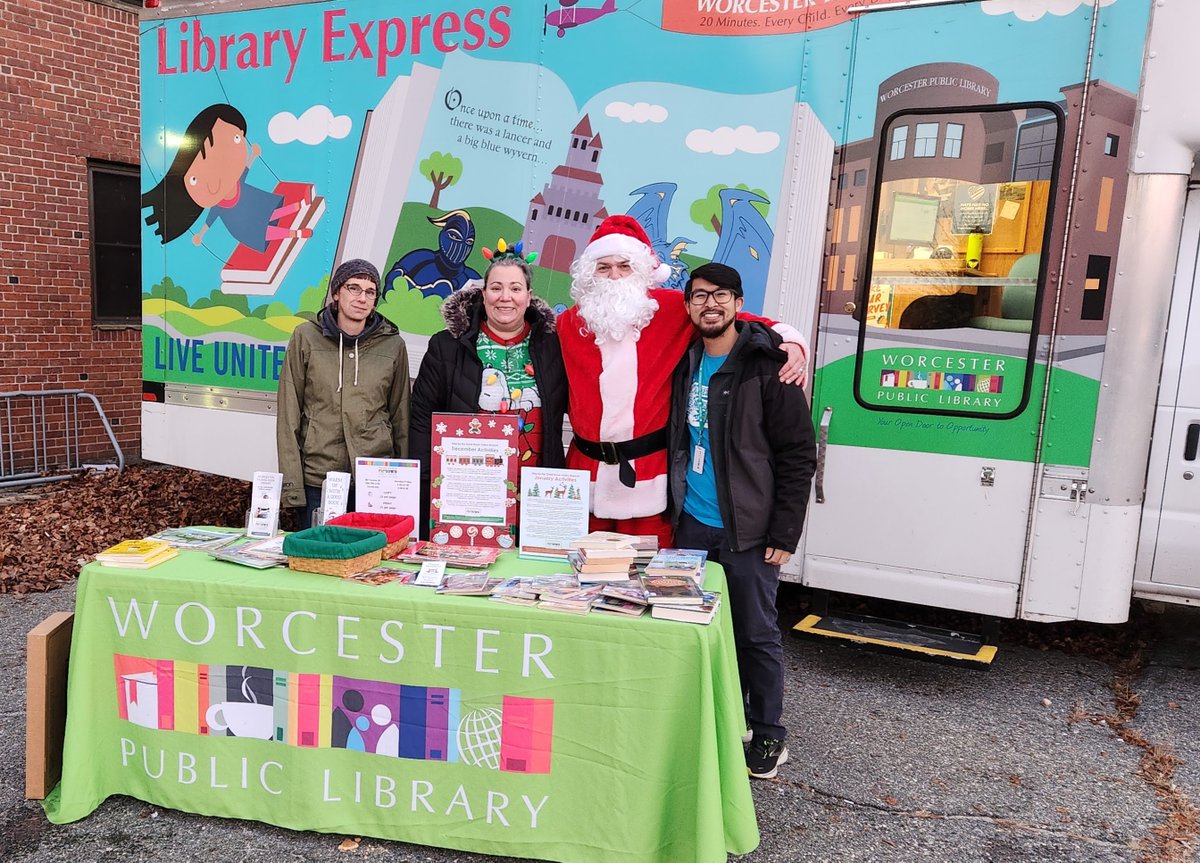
(463, 312)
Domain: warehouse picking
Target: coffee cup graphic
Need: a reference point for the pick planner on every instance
(242, 718)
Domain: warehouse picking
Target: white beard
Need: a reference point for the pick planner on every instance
(614, 308)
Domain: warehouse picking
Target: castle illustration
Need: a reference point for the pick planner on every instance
(564, 214)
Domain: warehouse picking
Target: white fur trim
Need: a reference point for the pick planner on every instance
(610, 499)
(790, 334)
(616, 244)
(618, 387)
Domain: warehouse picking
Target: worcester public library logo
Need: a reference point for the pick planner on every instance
(328, 711)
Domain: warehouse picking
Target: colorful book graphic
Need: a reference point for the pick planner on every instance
(526, 734)
(165, 671)
(216, 693)
(282, 706)
(203, 690)
(137, 689)
(187, 697)
(324, 711)
(308, 708)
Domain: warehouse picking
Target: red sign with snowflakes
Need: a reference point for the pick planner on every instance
(474, 480)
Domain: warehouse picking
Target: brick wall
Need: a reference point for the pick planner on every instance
(68, 93)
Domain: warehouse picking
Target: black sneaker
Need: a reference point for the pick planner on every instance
(763, 757)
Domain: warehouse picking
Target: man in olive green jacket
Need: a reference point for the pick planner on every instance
(344, 389)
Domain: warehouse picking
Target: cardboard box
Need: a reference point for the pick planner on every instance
(48, 647)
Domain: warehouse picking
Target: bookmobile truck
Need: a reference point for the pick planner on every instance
(981, 211)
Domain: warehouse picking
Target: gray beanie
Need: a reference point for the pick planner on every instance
(355, 267)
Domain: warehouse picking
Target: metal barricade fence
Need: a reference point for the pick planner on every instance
(40, 435)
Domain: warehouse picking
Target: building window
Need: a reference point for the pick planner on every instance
(1095, 288)
(1111, 143)
(952, 148)
(595, 155)
(860, 177)
(899, 142)
(583, 145)
(116, 235)
(993, 153)
(925, 142)
(585, 218)
(1035, 151)
(842, 179)
(574, 143)
(533, 215)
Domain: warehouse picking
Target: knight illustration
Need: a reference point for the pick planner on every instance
(443, 271)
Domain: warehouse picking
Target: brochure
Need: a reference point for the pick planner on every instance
(263, 519)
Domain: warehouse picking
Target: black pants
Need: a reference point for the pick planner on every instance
(750, 596)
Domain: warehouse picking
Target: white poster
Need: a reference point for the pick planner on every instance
(388, 485)
(554, 511)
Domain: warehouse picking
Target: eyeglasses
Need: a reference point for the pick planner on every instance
(356, 291)
(721, 295)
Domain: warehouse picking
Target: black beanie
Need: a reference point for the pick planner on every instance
(718, 274)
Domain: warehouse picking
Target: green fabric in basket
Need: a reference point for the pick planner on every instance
(333, 543)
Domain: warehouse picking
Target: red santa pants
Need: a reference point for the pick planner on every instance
(658, 525)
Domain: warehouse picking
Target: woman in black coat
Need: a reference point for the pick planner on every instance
(499, 353)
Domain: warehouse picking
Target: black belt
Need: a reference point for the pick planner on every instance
(623, 452)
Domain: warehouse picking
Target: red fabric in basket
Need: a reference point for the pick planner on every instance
(394, 527)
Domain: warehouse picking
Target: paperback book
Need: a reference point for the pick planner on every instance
(702, 613)
(470, 557)
(199, 538)
(137, 554)
(672, 590)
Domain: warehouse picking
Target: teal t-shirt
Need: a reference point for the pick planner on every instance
(700, 502)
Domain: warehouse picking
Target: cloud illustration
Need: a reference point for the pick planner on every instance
(312, 127)
(1032, 10)
(725, 141)
(641, 112)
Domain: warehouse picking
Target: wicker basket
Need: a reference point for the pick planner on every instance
(397, 529)
(334, 550)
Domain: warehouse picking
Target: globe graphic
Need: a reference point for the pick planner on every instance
(479, 738)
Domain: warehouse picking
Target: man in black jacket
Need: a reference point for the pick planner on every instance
(742, 457)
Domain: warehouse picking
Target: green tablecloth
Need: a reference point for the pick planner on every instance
(392, 712)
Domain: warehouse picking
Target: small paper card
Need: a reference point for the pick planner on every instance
(335, 494)
(473, 485)
(554, 511)
(263, 520)
(431, 573)
(391, 486)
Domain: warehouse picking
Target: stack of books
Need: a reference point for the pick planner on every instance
(469, 584)
(702, 613)
(200, 538)
(644, 547)
(137, 554)
(575, 600)
(601, 564)
(622, 597)
(679, 561)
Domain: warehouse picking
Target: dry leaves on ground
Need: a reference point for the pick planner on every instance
(51, 531)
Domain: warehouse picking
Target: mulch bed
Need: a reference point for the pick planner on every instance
(48, 532)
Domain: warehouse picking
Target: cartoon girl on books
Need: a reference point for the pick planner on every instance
(209, 173)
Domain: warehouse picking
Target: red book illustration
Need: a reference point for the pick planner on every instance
(308, 719)
(202, 696)
(165, 674)
(248, 271)
(526, 734)
(136, 684)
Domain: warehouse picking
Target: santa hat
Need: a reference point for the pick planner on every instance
(623, 235)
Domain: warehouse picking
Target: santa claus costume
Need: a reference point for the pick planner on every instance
(620, 344)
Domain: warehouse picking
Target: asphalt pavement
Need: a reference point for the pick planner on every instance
(1072, 747)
